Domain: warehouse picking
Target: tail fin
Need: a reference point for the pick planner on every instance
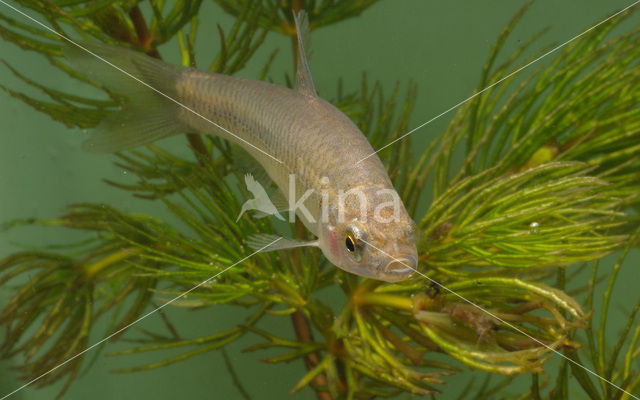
(150, 85)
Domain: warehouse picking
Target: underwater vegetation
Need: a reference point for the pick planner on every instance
(530, 185)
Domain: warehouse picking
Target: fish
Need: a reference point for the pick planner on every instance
(307, 146)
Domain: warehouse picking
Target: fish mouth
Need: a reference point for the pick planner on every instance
(400, 268)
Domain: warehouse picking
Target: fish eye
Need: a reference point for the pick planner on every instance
(353, 244)
(350, 243)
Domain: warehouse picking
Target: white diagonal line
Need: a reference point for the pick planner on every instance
(501, 320)
(134, 322)
(499, 81)
(140, 81)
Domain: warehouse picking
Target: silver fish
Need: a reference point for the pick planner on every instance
(289, 132)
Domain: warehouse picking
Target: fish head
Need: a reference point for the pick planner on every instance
(375, 240)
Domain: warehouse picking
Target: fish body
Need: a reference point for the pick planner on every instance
(310, 136)
(304, 143)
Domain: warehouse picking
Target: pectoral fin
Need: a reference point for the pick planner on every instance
(260, 214)
(243, 163)
(267, 242)
(280, 202)
(304, 83)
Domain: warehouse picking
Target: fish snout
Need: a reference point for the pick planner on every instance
(401, 268)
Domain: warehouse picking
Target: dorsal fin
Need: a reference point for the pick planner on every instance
(304, 83)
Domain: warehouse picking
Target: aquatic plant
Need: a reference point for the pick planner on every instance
(549, 179)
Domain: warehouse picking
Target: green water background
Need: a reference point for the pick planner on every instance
(442, 46)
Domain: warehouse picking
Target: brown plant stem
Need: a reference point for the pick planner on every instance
(304, 334)
(145, 39)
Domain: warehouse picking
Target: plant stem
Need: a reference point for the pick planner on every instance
(387, 300)
(145, 39)
(92, 269)
(304, 334)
